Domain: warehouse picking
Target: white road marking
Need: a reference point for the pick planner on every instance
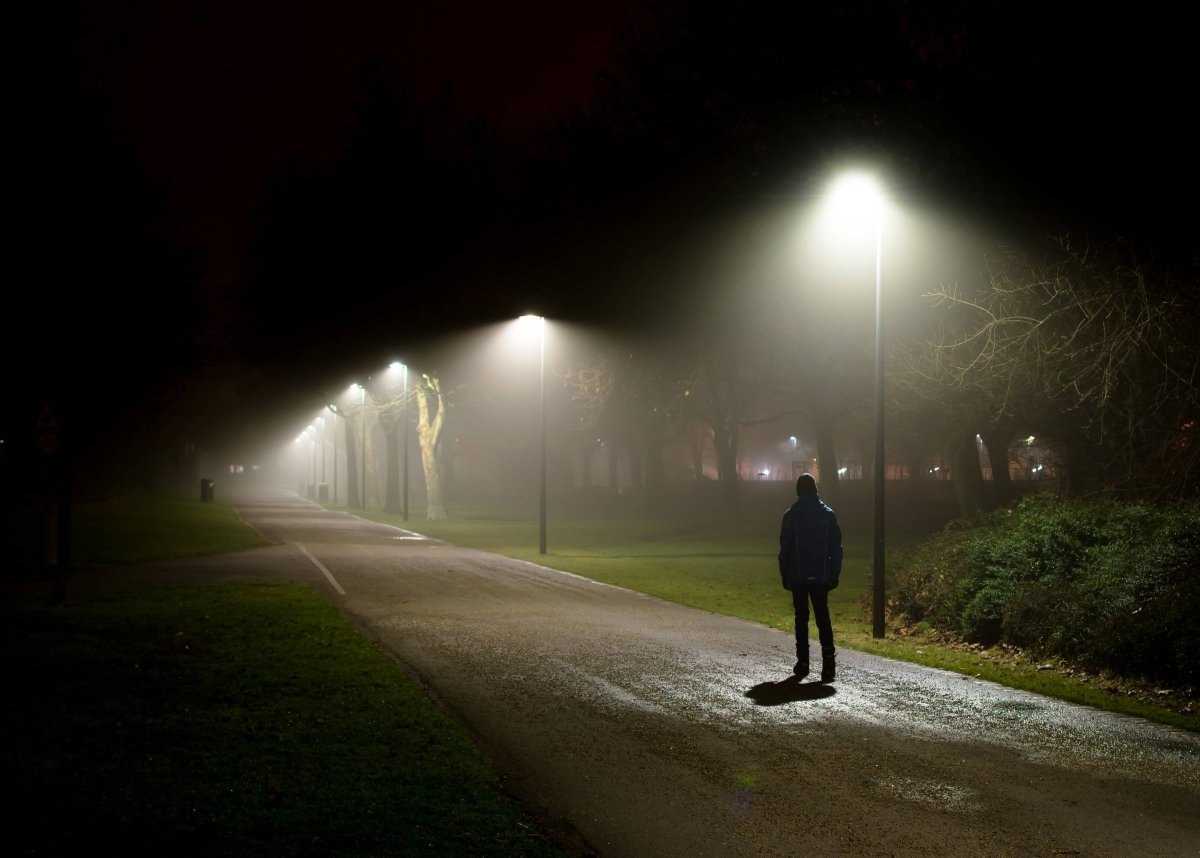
(321, 566)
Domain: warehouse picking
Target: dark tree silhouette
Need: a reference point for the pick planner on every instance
(1093, 343)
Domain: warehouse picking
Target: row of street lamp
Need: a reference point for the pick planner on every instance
(539, 323)
(859, 197)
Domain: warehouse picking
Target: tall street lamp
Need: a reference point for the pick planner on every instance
(334, 410)
(540, 321)
(860, 196)
(403, 452)
(362, 489)
(404, 449)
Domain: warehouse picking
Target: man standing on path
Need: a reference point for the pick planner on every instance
(810, 564)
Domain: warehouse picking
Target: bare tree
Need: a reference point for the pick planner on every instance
(719, 392)
(629, 396)
(431, 421)
(1092, 342)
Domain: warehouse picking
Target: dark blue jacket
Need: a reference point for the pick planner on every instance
(810, 544)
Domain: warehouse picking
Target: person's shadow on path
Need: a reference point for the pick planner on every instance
(790, 690)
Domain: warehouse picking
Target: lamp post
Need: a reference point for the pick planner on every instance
(404, 448)
(878, 606)
(362, 490)
(860, 195)
(334, 410)
(321, 421)
(541, 323)
(397, 448)
(312, 437)
(300, 468)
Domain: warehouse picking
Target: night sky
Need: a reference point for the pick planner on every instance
(244, 204)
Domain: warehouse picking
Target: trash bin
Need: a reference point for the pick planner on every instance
(323, 492)
(206, 491)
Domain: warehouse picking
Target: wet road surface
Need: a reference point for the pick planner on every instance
(637, 727)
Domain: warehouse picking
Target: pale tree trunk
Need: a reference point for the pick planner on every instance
(431, 418)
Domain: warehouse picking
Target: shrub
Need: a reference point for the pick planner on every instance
(923, 585)
(1100, 583)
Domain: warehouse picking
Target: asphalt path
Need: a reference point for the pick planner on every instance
(632, 726)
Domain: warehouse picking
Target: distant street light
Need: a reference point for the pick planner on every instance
(312, 437)
(336, 412)
(541, 325)
(859, 197)
(299, 456)
(321, 421)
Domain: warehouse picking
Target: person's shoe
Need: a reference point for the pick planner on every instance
(828, 670)
(801, 669)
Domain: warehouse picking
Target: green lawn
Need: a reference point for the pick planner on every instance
(225, 720)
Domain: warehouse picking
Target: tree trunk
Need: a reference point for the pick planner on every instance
(1083, 468)
(997, 442)
(726, 442)
(637, 473)
(614, 475)
(968, 479)
(431, 413)
(697, 449)
(656, 474)
(831, 489)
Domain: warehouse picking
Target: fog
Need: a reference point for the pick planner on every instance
(722, 330)
(220, 253)
(756, 308)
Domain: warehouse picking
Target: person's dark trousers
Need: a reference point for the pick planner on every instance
(818, 595)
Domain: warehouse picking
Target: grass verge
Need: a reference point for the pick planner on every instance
(225, 720)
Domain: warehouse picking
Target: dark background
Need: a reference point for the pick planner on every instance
(223, 211)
